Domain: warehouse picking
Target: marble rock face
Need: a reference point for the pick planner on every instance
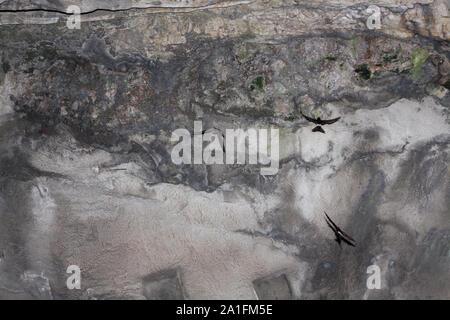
(87, 176)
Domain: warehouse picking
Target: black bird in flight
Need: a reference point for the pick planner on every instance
(320, 122)
(340, 235)
(223, 138)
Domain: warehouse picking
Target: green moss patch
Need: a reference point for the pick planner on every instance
(418, 58)
(363, 71)
(257, 83)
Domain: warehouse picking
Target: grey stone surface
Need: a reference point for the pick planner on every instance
(86, 175)
(164, 285)
(273, 288)
(37, 285)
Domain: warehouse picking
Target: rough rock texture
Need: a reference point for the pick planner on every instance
(86, 176)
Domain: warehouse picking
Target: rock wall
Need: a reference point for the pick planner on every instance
(87, 177)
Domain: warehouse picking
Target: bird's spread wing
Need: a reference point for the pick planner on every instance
(329, 121)
(336, 233)
(346, 235)
(310, 119)
(348, 242)
(331, 226)
(335, 227)
(339, 229)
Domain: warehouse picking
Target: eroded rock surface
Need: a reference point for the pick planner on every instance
(87, 178)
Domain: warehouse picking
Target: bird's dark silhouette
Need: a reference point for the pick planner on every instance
(223, 138)
(340, 235)
(320, 122)
(318, 129)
